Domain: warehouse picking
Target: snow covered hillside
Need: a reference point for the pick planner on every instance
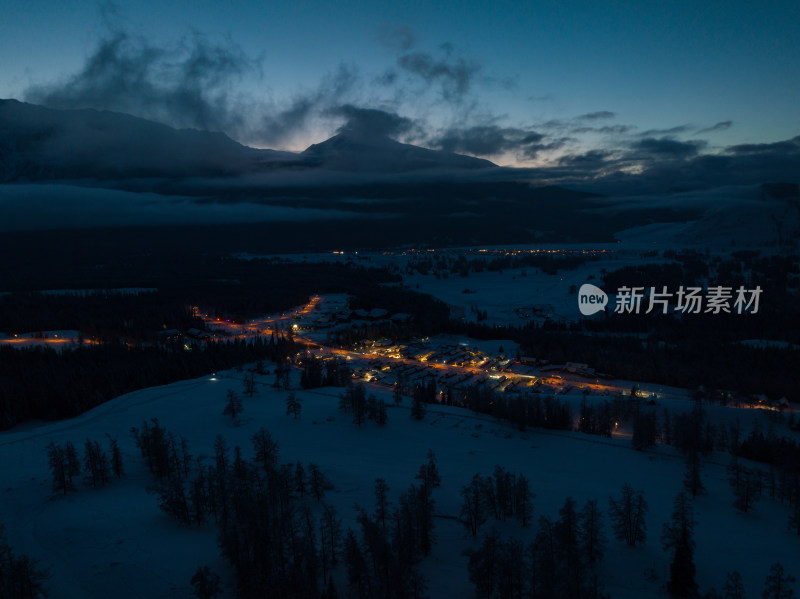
(114, 541)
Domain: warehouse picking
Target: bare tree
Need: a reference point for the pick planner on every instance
(233, 406)
(628, 516)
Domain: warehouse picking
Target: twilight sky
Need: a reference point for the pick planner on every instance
(522, 83)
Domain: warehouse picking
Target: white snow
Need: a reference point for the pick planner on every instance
(115, 541)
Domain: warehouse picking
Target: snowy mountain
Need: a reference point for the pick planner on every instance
(734, 216)
(38, 143)
(352, 151)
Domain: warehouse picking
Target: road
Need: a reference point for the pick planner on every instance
(559, 383)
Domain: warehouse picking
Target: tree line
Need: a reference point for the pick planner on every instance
(42, 383)
(98, 465)
(277, 531)
(21, 577)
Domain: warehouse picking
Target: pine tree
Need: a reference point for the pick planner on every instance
(206, 583)
(331, 537)
(293, 405)
(73, 463)
(545, 565)
(746, 485)
(512, 571)
(628, 516)
(691, 478)
(794, 519)
(357, 572)
(682, 571)
(483, 566)
(523, 500)
(422, 500)
(429, 472)
(280, 378)
(20, 575)
(57, 458)
(503, 485)
(95, 463)
(233, 406)
(199, 502)
(778, 584)
(318, 482)
(397, 393)
(381, 502)
(733, 587)
(266, 450)
(354, 401)
(220, 477)
(591, 533)
(249, 384)
(116, 457)
(300, 479)
(473, 511)
(418, 407)
(566, 532)
(678, 535)
(359, 402)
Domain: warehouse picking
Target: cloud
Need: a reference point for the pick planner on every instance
(596, 116)
(667, 147)
(193, 83)
(454, 75)
(483, 140)
(606, 130)
(493, 140)
(579, 125)
(705, 171)
(187, 86)
(790, 146)
(536, 150)
(587, 161)
(371, 122)
(277, 125)
(721, 126)
(399, 37)
(665, 165)
(669, 131)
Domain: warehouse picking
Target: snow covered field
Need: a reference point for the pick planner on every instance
(512, 296)
(115, 542)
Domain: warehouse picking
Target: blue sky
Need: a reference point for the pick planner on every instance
(477, 77)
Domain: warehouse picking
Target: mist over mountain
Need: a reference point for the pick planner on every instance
(39, 144)
(353, 151)
(145, 173)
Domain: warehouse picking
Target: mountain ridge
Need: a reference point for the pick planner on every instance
(39, 143)
(354, 151)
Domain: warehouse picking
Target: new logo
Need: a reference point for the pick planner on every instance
(591, 299)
